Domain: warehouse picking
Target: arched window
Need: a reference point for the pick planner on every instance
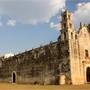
(71, 35)
(64, 25)
(64, 35)
(70, 25)
(75, 36)
(86, 53)
(69, 17)
(64, 17)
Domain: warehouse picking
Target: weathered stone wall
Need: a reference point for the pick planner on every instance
(40, 65)
(64, 64)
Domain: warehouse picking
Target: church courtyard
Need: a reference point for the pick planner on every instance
(6, 86)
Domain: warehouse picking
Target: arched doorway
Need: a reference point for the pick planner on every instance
(88, 74)
(14, 77)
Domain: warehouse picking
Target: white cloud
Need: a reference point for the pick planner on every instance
(1, 24)
(31, 11)
(55, 26)
(11, 23)
(82, 14)
(8, 55)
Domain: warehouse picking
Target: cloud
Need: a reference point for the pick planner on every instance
(82, 14)
(11, 23)
(1, 24)
(31, 11)
(55, 26)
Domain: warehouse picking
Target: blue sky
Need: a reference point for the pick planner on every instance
(26, 24)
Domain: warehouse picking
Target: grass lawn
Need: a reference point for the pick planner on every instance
(5, 86)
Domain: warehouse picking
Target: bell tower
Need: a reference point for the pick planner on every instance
(66, 22)
(64, 43)
(66, 25)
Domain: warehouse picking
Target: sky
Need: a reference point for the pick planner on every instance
(27, 24)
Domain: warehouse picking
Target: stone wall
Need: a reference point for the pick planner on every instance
(37, 66)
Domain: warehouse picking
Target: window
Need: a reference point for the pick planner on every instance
(64, 25)
(69, 17)
(70, 25)
(64, 17)
(86, 53)
(66, 53)
(71, 35)
(64, 35)
(75, 36)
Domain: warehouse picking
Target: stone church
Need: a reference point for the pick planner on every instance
(66, 61)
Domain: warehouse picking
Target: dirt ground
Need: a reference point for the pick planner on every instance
(5, 86)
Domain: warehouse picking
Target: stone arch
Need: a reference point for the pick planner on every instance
(13, 77)
(88, 74)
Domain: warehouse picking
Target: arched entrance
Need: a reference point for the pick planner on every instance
(88, 74)
(14, 77)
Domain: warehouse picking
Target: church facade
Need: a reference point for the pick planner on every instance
(66, 61)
